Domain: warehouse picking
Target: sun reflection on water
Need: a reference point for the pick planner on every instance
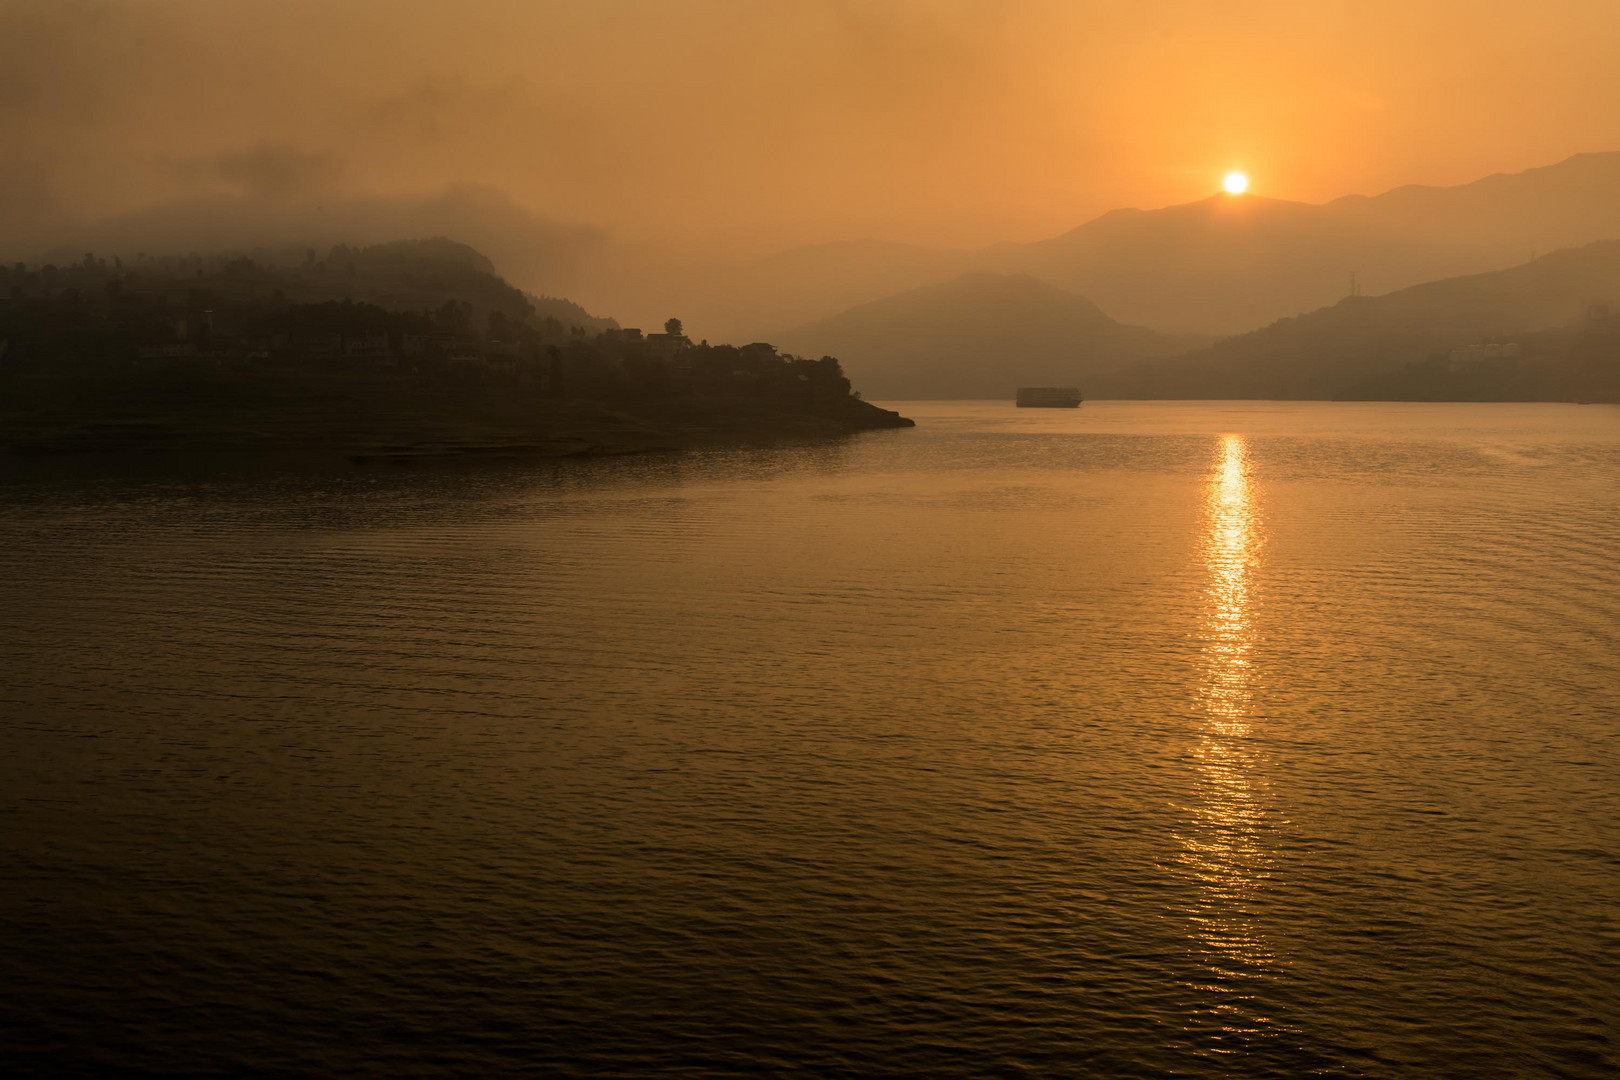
(1225, 848)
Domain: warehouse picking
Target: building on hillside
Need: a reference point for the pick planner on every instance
(367, 347)
(321, 347)
(666, 346)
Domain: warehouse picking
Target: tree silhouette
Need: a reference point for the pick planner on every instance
(672, 327)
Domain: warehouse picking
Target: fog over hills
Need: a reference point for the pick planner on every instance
(535, 253)
(1397, 346)
(1129, 286)
(1220, 265)
(1230, 264)
(980, 335)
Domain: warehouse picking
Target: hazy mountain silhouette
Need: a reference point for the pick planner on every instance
(430, 250)
(399, 275)
(533, 252)
(809, 283)
(1368, 341)
(1231, 263)
(1221, 265)
(405, 274)
(980, 335)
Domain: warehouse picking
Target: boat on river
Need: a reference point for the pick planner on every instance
(1049, 397)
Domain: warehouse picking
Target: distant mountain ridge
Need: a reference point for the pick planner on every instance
(980, 335)
(399, 275)
(404, 274)
(1225, 264)
(439, 250)
(1383, 346)
(1229, 264)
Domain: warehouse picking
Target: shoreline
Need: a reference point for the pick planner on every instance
(549, 430)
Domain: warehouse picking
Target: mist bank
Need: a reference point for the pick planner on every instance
(1218, 266)
(536, 253)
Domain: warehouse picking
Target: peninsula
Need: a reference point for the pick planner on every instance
(406, 350)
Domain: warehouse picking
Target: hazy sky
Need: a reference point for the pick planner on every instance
(744, 125)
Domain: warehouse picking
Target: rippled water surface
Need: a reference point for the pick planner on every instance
(1138, 740)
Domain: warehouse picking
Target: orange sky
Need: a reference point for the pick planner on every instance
(742, 126)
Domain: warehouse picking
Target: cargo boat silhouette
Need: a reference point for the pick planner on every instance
(1048, 397)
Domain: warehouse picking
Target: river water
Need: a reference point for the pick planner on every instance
(1139, 740)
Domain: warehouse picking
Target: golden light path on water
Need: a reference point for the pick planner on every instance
(1225, 848)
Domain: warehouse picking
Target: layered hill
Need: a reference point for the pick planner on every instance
(1225, 264)
(1229, 264)
(1400, 345)
(980, 335)
(405, 274)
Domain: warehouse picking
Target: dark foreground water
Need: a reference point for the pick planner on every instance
(1144, 740)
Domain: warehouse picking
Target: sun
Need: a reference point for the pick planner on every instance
(1236, 183)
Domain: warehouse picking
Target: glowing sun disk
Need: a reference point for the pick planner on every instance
(1236, 183)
